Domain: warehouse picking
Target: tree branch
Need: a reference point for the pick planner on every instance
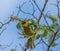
(27, 12)
(52, 40)
(46, 1)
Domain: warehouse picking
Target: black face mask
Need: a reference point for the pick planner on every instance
(23, 22)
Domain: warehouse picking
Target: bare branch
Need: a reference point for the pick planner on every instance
(16, 48)
(20, 8)
(2, 31)
(44, 16)
(36, 5)
(58, 7)
(46, 1)
(41, 41)
(5, 46)
(33, 11)
(23, 48)
(44, 42)
(53, 39)
(38, 42)
(57, 38)
(5, 24)
(27, 12)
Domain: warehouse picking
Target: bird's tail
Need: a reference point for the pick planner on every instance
(30, 43)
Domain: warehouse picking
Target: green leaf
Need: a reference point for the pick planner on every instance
(53, 18)
(45, 29)
(54, 25)
(59, 16)
(27, 19)
(19, 25)
(20, 33)
(50, 35)
(12, 50)
(50, 49)
(37, 37)
(54, 44)
(58, 35)
(45, 34)
(40, 32)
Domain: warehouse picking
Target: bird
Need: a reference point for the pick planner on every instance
(29, 33)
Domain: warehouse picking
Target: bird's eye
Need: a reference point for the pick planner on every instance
(24, 22)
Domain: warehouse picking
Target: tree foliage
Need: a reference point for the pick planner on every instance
(47, 33)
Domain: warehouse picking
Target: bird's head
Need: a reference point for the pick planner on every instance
(25, 23)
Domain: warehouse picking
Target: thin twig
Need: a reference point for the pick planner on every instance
(52, 40)
(19, 9)
(36, 5)
(23, 48)
(44, 42)
(27, 12)
(5, 46)
(46, 1)
(58, 7)
(2, 31)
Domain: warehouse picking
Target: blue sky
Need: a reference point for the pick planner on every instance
(11, 33)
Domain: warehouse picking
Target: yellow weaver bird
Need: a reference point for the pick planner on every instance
(28, 32)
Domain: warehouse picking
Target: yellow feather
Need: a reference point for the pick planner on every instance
(27, 33)
(27, 30)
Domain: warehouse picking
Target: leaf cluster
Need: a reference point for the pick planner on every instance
(43, 31)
